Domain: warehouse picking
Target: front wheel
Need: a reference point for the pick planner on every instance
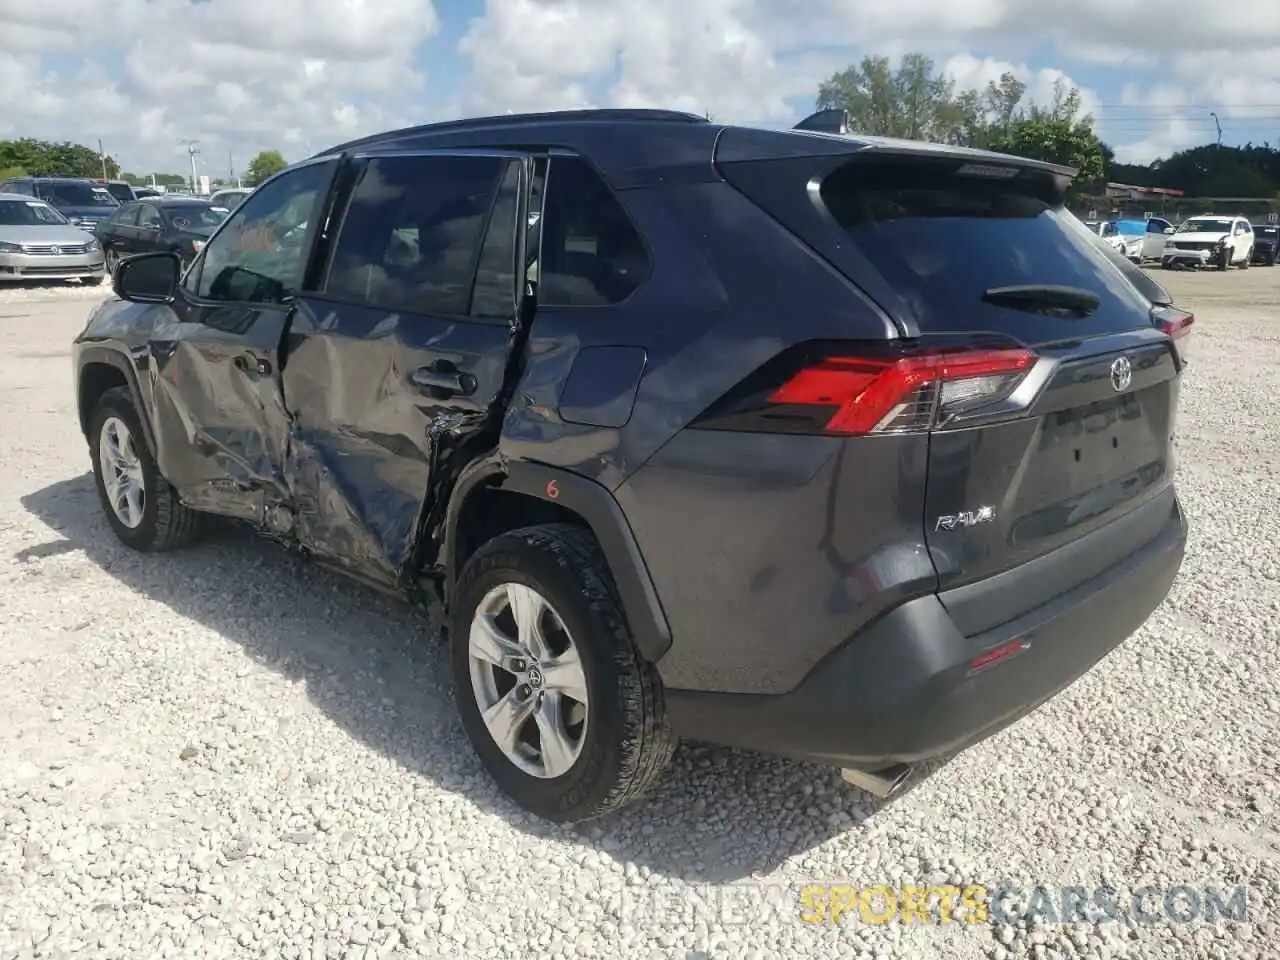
(1248, 259)
(564, 714)
(112, 260)
(140, 505)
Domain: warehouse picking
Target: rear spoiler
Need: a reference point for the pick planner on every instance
(834, 120)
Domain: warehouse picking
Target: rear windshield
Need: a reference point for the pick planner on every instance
(77, 195)
(195, 217)
(21, 213)
(942, 238)
(121, 191)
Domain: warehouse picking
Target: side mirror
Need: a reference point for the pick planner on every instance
(148, 278)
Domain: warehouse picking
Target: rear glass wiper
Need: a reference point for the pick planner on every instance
(1045, 298)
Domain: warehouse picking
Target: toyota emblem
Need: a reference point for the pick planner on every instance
(1121, 374)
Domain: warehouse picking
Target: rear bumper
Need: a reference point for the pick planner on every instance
(903, 691)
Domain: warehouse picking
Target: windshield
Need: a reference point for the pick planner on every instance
(77, 195)
(195, 218)
(21, 213)
(1205, 226)
(121, 191)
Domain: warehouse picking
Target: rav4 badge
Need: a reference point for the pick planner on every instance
(965, 519)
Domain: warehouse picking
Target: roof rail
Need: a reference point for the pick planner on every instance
(516, 119)
(835, 120)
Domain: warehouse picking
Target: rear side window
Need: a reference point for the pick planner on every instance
(590, 252)
(942, 239)
(412, 231)
(121, 191)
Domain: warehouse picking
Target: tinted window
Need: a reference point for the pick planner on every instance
(411, 233)
(495, 290)
(21, 213)
(74, 194)
(590, 252)
(193, 217)
(149, 217)
(126, 216)
(260, 255)
(941, 239)
(121, 191)
(18, 186)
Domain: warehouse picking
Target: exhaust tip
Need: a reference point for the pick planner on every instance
(879, 783)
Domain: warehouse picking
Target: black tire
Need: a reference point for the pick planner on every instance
(1224, 259)
(1248, 259)
(628, 740)
(111, 260)
(166, 523)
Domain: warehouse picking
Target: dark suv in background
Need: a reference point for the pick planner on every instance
(83, 202)
(1266, 243)
(848, 449)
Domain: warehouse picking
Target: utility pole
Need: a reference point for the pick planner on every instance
(193, 151)
(102, 155)
(231, 170)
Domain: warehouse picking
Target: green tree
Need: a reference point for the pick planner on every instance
(915, 101)
(266, 164)
(1057, 133)
(42, 158)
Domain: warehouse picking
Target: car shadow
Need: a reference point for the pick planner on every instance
(366, 661)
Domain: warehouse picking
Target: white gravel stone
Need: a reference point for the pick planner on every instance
(225, 753)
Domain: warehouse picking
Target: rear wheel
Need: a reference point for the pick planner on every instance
(139, 504)
(564, 714)
(112, 260)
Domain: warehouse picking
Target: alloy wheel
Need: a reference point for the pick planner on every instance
(122, 476)
(528, 680)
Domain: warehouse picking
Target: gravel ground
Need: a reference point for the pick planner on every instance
(227, 753)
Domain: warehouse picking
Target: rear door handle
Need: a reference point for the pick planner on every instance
(444, 377)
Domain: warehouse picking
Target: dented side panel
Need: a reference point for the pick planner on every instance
(218, 409)
(370, 446)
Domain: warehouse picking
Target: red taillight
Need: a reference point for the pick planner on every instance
(1177, 324)
(895, 394)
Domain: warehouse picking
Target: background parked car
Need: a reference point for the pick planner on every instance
(180, 225)
(39, 243)
(83, 202)
(140, 192)
(231, 197)
(122, 190)
(1266, 243)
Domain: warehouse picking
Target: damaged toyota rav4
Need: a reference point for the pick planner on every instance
(845, 449)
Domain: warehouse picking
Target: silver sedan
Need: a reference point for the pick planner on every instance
(39, 243)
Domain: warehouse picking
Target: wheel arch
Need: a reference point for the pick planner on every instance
(551, 494)
(101, 369)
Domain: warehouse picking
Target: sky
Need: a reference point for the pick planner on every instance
(239, 76)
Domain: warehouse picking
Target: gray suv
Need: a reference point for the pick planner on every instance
(847, 449)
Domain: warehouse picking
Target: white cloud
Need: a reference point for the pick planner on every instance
(241, 75)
